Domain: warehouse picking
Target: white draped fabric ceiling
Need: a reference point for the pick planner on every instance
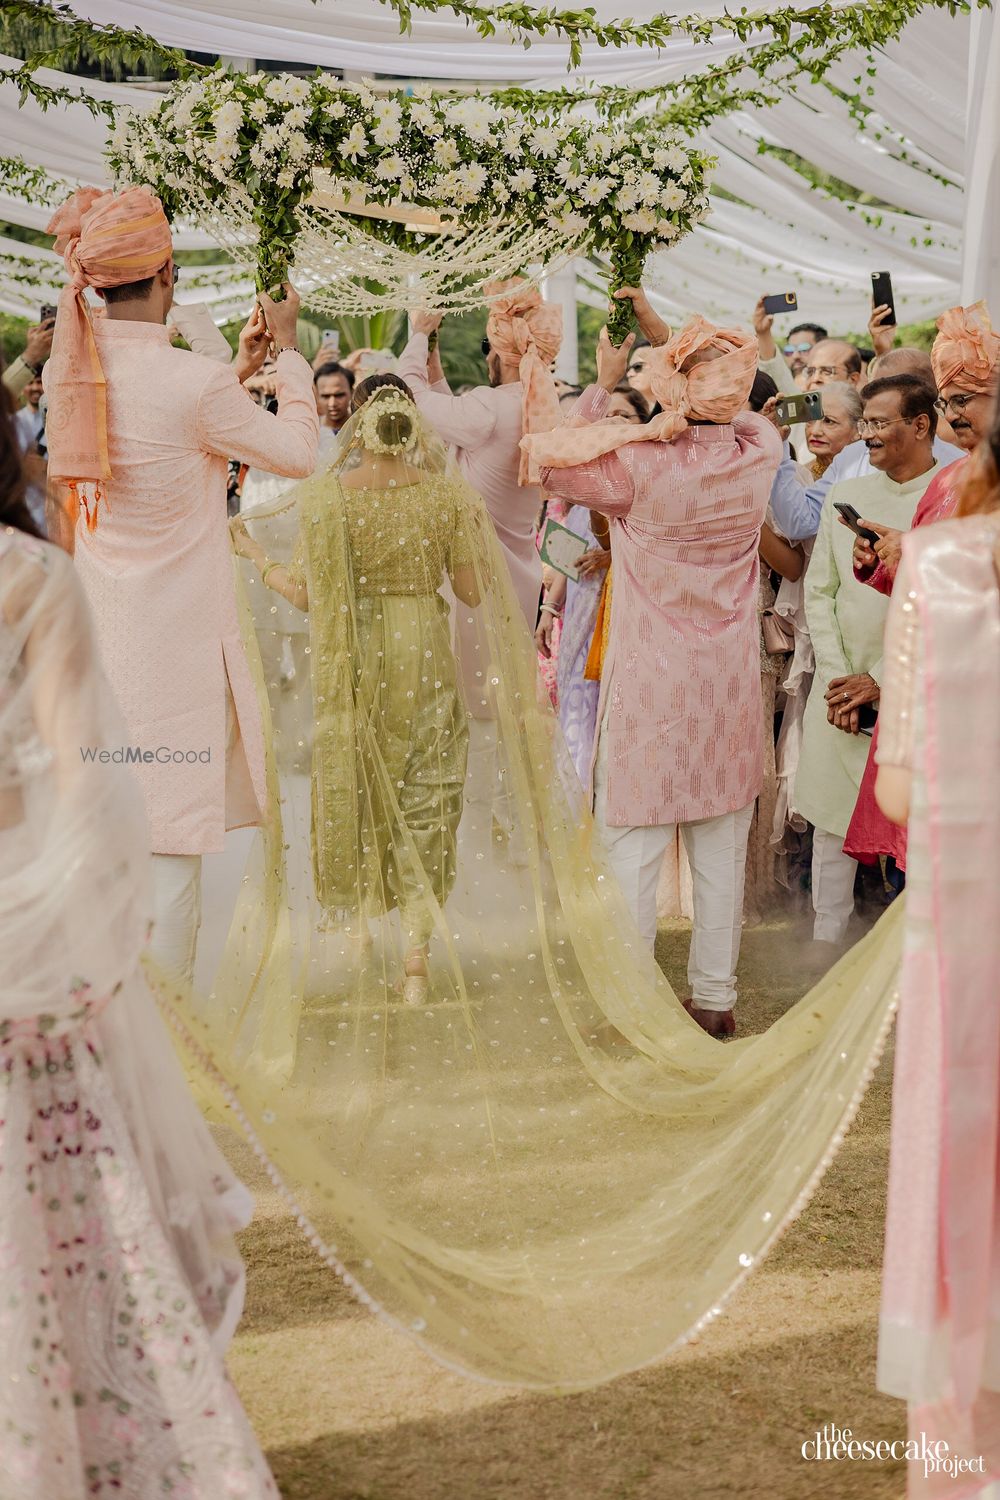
(769, 229)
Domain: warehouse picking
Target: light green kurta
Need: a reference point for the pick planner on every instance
(846, 622)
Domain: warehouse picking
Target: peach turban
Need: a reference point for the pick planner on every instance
(713, 391)
(966, 350)
(526, 331)
(106, 239)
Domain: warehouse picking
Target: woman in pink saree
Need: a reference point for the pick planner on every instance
(939, 762)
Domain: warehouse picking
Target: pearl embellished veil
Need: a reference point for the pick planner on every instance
(546, 1172)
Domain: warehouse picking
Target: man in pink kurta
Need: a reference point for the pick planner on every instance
(153, 550)
(681, 738)
(485, 425)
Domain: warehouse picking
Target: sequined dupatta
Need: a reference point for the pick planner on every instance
(545, 1171)
(954, 588)
(333, 649)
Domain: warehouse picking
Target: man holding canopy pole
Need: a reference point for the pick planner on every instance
(141, 434)
(681, 733)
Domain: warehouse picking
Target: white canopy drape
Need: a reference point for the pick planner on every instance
(931, 121)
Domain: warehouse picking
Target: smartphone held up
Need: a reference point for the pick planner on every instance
(780, 303)
(807, 406)
(882, 296)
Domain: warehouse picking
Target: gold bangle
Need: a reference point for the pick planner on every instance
(269, 567)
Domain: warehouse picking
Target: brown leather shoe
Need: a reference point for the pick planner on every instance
(718, 1023)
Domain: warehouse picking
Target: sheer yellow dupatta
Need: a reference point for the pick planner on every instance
(547, 1173)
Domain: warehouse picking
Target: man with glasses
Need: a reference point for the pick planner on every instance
(831, 361)
(965, 356)
(846, 622)
(637, 377)
(797, 509)
(965, 359)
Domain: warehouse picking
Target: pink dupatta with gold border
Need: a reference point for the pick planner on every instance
(955, 1384)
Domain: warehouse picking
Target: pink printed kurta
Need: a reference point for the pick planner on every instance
(484, 426)
(158, 572)
(681, 684)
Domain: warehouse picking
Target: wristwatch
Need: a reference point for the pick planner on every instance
(289, 348)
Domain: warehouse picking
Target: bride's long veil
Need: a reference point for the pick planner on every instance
(546, 1171)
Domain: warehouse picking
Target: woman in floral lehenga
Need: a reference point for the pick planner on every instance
(121, 1281)
(384, 524)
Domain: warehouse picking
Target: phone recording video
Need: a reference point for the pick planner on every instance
(853, 519)
(781, 302)
(805, 407)
(882, 295)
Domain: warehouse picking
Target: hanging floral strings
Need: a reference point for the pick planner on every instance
(278, 167)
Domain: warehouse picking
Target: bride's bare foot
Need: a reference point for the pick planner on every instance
(416, 985)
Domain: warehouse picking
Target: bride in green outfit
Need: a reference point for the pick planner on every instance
(457, 1056)
(379, 533)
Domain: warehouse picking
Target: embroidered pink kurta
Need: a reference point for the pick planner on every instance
(485, 426)
(158, 572)
(681, 684)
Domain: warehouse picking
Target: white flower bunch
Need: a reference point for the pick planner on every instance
(609, 186)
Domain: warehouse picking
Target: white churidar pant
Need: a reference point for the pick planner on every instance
(717, 853)
(833, 874)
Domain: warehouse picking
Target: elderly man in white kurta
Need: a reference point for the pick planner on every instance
(152, 427)
(846, 623)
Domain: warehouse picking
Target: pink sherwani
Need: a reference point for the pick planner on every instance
(158, 572)
(484, 426)
(681, 681)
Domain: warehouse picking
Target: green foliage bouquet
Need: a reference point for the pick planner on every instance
(251, 146)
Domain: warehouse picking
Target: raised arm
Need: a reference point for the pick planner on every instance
(465, 421)
(604, 484)
(797, 508)
(283, 442)
(197, 327)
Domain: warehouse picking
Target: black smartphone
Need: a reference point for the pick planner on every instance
(780, 303)
(882, 295)
(805, 407)
(853, 519)
(48, 313)
(867, 718)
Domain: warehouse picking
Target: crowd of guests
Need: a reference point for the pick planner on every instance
(891, 441)
(895, 426)
(718, 668)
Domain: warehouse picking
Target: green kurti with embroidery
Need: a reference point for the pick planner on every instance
(391, 739)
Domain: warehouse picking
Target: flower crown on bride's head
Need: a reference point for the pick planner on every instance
(386, 423)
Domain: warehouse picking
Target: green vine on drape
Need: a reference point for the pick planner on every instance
(117, 45)
(827, 25)
(779, 47)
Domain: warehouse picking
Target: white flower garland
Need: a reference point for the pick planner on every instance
(507, 185)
